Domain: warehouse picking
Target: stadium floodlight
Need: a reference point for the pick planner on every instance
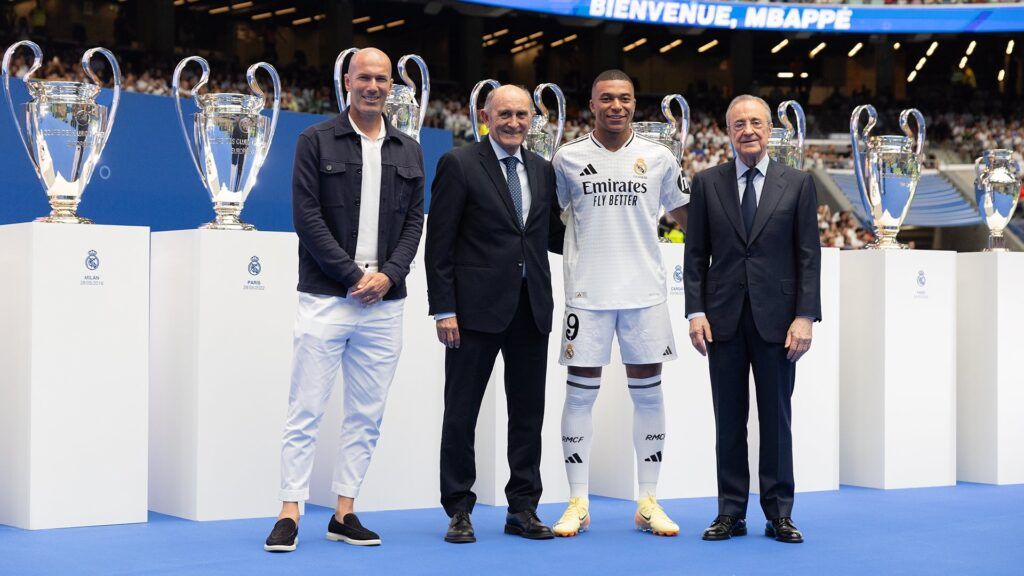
(804, 75)
(786, 74)
(262, 16)
(896, 46)
(536, 35)
(301, 21)
(853, 51)
(522, 40)
(376, 28)
(220, 10)
(780, 46)
(963, 63)
(913, 74)
(931, 49)
(1002, 75)
(361, 20)
(707, 46)
(817, 49)
(1009, 47)
(501, 32)
(670, 46)
(921, 63)
(971, 47)
(639, 42)
(241, 6)
(285, 11)
(395, 23)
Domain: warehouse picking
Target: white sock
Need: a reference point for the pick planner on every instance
(577, 431)
(648, 430)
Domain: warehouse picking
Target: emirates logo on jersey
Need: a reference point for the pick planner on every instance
(640, 167)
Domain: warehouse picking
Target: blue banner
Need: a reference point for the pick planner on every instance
(796, 17)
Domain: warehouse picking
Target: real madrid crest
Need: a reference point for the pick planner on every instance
(254, 266)
(92, 261)
(569, 351)
(640, 167)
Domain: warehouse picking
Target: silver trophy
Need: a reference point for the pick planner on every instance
(786, 144)
(539, 140)
(231, 139)
(888, 169)
(997, 187)
(65, 129)
(671, 133)
(474, 113)
(401, 107)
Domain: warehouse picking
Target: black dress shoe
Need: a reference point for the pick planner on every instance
(460, 529)
(527, 525)
(725, 527)
(783, 530)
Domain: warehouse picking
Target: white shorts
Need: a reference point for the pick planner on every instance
(645, 336)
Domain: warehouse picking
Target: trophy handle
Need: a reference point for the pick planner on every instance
(250, 76)
(339, 80)
(190, 143)
(905, 126)
(37, 61)
(684, 118)
(424, 78)
(115, 70)
(856, 137)
(977, 167)
(538, 99)
(801, 124)
(474, 114)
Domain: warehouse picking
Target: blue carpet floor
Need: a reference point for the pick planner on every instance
(967, 529)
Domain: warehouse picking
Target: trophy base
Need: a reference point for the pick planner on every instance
(237, 225)
(997, 244)
(64, 219)
(885, 244)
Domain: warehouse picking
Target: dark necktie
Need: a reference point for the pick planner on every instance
(749, 205)
(514, 186)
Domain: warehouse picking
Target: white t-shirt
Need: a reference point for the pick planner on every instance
(611, 255)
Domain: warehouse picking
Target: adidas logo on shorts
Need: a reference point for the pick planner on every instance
(668, 351)
(654, 457)
(574, 459)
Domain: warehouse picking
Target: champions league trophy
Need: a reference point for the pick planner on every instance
(997, 188)
(66, 129)
(668, 133)
(781, 145)
(538, 140)
(400, 107)
(230, 140)
(887, 170)
(474, 113)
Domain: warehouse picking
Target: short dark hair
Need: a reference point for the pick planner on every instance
(613, 74)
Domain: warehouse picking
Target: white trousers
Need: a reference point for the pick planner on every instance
(365, 342)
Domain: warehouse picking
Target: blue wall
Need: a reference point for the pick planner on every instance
(145, 176)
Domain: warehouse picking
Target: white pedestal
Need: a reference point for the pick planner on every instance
(74, 360)
(492, 427)
(405, 469)
(990, 388)
(221, 363)
(898, 368)
(688, 468)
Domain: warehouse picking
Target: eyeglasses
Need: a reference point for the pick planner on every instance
(741, 125)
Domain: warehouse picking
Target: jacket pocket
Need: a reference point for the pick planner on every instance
(332, 177)
(405, 184)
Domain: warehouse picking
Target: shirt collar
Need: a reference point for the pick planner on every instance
(501, 154)
(741, 168)
(383, 130)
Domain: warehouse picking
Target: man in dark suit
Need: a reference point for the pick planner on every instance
(489, 287)
(752, 273)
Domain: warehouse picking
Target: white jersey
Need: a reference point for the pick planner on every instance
(611, 255)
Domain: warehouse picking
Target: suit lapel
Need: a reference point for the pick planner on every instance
(490, 163)
(729, 195)
(771, 193)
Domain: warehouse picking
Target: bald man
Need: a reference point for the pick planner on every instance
(357, 204)
(492, 211)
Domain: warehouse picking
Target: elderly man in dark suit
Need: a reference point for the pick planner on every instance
(489, 287)
(752, 274)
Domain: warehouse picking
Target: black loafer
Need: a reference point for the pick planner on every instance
(284, 537)
(527, 525)
(783, 530)
(460, 529)
(351, 532)
(725, 527)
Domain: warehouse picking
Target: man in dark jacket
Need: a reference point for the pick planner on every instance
(357, 201)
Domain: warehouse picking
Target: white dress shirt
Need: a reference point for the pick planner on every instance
(369, 199)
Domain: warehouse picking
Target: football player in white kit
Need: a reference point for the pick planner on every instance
(612, 183)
